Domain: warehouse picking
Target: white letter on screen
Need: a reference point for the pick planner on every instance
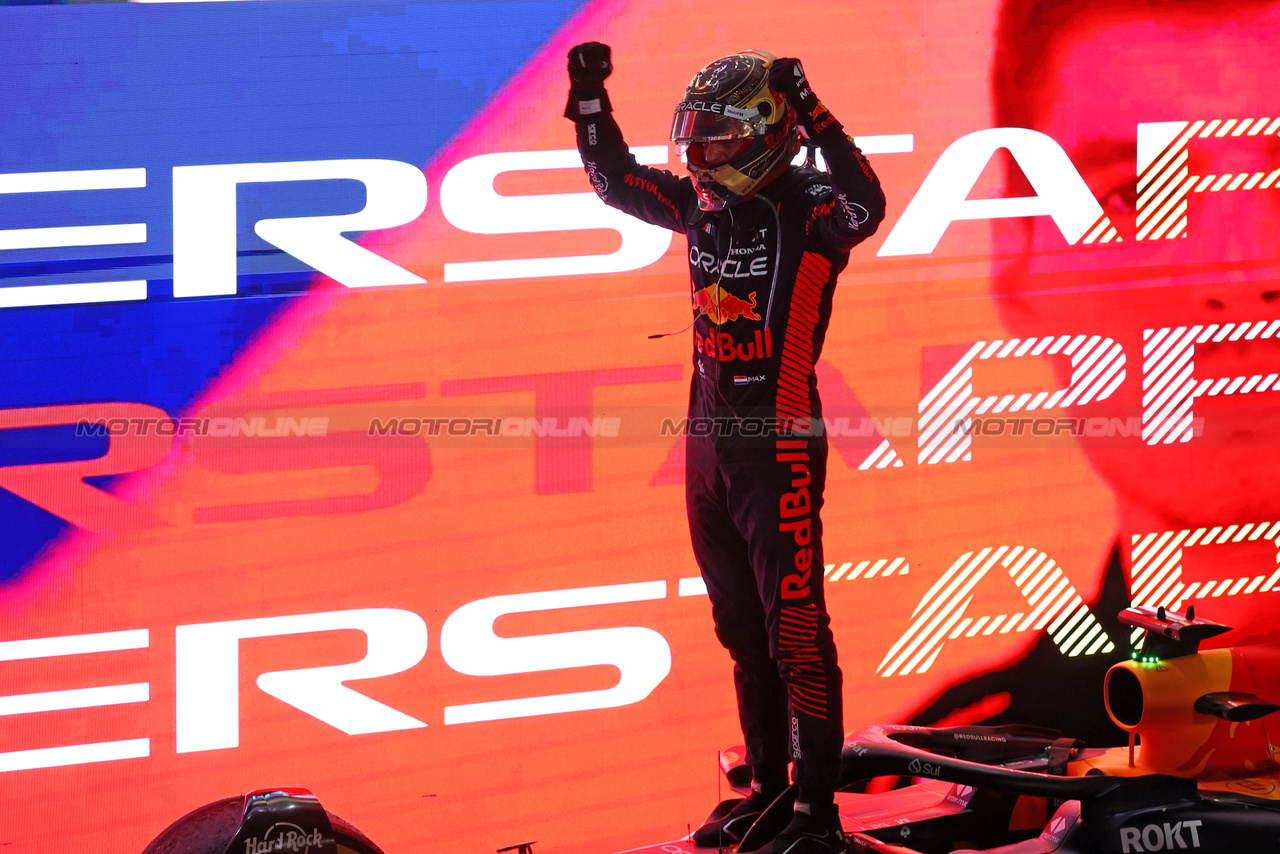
(469, 645)
(1060, 192)
(75, 698)
(470, 203)
(204, 222)
(208, 674)
(72, 235)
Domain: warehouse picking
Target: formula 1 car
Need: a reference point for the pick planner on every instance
(1201, 771)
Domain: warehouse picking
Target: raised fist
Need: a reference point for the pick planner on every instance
(589, 64)
(786, 77)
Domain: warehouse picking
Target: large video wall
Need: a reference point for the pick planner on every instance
(335, 450)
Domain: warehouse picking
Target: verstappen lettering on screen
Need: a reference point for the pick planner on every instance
(949, 416)
(209, 679)
(204, 214)
(205, 252)
(206, 709)
(207, 654)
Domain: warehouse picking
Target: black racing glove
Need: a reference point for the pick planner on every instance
(589, 64)
(786, 76)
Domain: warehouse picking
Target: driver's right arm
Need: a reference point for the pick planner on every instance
(653, 195)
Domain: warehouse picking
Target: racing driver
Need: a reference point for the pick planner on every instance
(766, 242)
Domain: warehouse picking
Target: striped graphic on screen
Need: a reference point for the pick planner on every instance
(1102, 231)
(1097, 369)
(1157, 565)
(1165, 181)
(1052, 603)
(849, 571)
(1169, 387)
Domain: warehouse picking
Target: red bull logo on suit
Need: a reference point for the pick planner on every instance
(721, 306)
(722, 346)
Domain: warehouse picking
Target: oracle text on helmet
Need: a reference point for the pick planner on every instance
(716, 107)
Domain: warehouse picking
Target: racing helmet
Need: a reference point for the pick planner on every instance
(733, 130)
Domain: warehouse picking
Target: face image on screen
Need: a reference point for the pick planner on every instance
(336, 450)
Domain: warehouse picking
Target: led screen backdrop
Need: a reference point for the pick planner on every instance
(335, 451)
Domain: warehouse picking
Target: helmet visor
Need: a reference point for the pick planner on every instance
(709, 125)
(713, 152)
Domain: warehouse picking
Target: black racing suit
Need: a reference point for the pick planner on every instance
(763, 274)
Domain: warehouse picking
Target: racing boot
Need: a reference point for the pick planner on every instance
(814, 829)
(724, 828)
